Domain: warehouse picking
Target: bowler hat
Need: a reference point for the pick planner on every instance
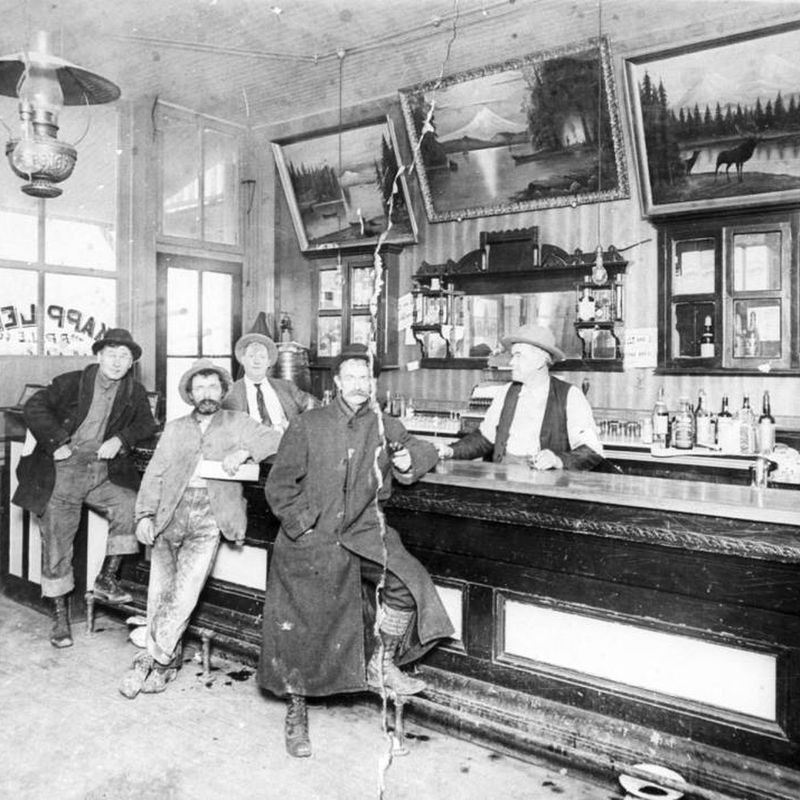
(258, 338)
(538, 336)
(358, 351)
(117, 337)
(203, 365)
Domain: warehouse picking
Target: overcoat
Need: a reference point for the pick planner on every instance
(54, 413)
(324, 490)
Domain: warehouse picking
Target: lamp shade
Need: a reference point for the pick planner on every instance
(78, 85)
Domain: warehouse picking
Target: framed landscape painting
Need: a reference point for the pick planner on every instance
(535, 132)
(339, 183)
(717, 124)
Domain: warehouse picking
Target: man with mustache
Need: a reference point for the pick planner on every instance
(86, 424)
(333, 470)
(181, 514)
(536, 419)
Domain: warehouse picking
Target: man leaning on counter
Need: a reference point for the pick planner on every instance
(536, 419)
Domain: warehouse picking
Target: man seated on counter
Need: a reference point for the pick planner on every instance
(189, 495)
(537, 419)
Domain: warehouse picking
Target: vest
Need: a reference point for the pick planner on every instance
(553, 436)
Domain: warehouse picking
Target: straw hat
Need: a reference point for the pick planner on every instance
(538, 336)
(258, 338)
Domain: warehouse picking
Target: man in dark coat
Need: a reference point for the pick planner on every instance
(86, 424)
(333, 470)
(271, 401)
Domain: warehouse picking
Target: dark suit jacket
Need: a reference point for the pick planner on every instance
(54, 413)
(294, 401)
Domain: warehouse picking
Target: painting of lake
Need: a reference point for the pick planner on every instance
(537, 132)
(719, 125)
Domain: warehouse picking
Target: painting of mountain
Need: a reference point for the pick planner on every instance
(718, 124)
(537, 132)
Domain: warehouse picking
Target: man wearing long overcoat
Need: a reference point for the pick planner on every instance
(332, 471)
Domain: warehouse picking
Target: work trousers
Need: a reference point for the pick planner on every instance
(395, 593)
(82, 479)
(180, 563)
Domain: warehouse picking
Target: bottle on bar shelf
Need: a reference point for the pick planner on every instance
(683, 427)
(707, 339)
(660, 421)
(766, 427)
(703, 423)
(748, 428)
(752, 340)
(727, 431)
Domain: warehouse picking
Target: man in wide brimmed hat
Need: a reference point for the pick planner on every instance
(536, 419)
(181, 513)
(273, 401)
(86, 424)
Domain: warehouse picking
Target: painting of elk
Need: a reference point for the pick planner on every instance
(736, 156)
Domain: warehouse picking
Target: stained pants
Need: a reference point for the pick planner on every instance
(180, 563)
(82, 479)
(395, 593)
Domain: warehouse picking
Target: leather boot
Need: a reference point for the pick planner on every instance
(61, 636)
(298, 743)
(106, 586)
(382, 673)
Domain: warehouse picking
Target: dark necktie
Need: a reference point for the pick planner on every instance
(262, 406)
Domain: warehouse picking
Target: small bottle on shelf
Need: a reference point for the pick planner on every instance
(752, 342)
(704, 429)
(727, 432)
(748, 427)
(683, 427)
(707, 339)
(660, 421)
(766, 427)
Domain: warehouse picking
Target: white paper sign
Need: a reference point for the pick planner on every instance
(641, 347)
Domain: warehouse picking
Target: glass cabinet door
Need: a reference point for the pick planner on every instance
(758, 309)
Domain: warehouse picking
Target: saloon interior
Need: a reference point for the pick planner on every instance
(427, 175)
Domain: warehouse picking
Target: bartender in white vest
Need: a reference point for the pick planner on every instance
(536, 419)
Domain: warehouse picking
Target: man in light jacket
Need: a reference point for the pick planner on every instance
(181, 513)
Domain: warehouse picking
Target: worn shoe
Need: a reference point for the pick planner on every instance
(298, 743)
(156, 682)
(394, 679)
(134, 678)
(60, 635)
(106, 588)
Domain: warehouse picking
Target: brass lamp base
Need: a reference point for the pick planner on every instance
(43, 161)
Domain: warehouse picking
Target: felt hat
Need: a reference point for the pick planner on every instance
(258, 338)
(203, 365)
(117, 337)
(358, 351)
(538, 336)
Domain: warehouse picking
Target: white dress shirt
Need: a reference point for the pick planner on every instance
(526, 427)
(274, 408)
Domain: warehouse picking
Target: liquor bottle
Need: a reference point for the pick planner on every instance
(766, 427)
(704, 429)
(724, 411)
(683, 427)
(751, 339)
(707, 339)
(727, 431)
(586, 306)
(660, 421)
(748, 429)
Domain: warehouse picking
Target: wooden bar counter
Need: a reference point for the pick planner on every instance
(605, 619)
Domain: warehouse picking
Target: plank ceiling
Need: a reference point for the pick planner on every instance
(258, 62)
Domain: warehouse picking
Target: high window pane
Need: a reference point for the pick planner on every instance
(693, 266)
(217, 313)
(220, 187)
(18, 225)
(757, 261)
(77, 310)
(182, 312)
(180, 159)
(18, 312)
(80, 225)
